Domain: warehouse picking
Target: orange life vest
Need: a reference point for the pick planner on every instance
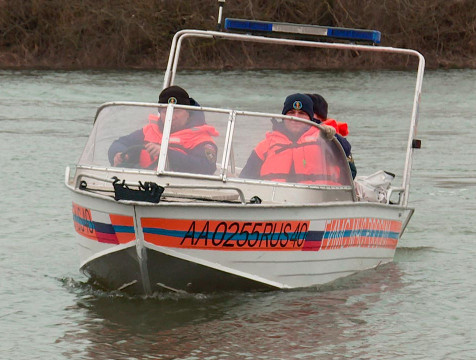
(341, 127)
(181, 140)
(280, 155)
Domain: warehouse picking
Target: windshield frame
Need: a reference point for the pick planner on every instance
(227, 157)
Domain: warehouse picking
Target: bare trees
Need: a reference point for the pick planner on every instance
(126, 33)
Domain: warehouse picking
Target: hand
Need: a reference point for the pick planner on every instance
(328, 131)
(120, 157)
(153, 149)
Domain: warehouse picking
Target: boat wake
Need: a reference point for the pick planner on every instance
(413, 253)
(90, 290)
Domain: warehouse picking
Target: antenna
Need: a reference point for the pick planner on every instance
(221, 4)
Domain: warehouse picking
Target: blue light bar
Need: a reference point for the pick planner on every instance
(315, 30)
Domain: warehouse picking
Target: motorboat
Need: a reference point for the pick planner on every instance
(146, 230)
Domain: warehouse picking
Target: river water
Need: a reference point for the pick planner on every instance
(421, 306)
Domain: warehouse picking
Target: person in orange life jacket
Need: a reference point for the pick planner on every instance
(320, 116)
(191, 146)
(279, 156)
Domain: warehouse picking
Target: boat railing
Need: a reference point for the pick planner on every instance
(395, 190)
(221, 197)
(82, 184)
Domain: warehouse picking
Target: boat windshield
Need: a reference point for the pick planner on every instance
(228, 145)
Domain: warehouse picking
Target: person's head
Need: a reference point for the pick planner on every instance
(175, 95)
(319, 106)
(297, 105)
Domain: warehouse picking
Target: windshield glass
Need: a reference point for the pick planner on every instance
(262, 147)
(130, 136)
(279, 149)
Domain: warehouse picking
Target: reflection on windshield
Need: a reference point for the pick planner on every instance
(191, 147)
(128, 136)
(293, 152)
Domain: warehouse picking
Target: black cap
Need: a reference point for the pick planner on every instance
(175, 95)
(298, 102)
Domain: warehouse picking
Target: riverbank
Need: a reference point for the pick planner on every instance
(123, 34)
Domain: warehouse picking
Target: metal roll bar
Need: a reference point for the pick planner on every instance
(171, 70)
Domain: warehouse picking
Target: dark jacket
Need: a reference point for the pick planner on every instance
(200, 159)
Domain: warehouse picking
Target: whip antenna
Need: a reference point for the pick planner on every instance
(221, 3)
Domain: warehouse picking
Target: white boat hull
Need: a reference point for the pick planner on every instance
(141, 249)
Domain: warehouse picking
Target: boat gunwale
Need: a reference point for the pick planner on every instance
(72, 184)
(237, 205)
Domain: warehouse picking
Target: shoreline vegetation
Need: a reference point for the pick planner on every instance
(126, 34)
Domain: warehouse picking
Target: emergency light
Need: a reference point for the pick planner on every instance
(315, 30)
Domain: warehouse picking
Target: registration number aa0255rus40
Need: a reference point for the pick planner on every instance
(225, 235)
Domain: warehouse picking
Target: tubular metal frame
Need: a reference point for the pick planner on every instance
(175, 48)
